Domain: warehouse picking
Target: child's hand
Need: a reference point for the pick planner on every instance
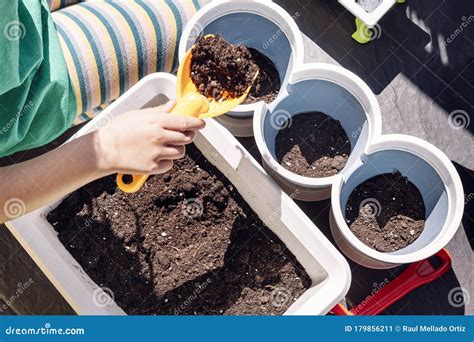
(145, 141)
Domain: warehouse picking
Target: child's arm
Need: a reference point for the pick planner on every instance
(139, 142)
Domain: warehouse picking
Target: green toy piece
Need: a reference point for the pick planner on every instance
(363, 34)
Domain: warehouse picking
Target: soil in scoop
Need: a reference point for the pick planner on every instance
(386, 212)
(221, 70)
(185, 244)
(312, 145)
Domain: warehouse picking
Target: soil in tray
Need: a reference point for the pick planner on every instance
(186, 243)
(221, 70)
(312, 145)
(386, 212)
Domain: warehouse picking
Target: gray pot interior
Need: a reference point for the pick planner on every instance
(420, 173)
(255, 31)
(323, 96)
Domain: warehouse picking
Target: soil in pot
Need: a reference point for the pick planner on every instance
(186, 243)
(312, 145)
(386, 212)
(221, 70)
(268, 83)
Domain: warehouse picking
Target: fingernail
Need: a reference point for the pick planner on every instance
(203, 124)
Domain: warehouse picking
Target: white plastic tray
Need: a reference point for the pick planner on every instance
(326, 267)
(372, 18)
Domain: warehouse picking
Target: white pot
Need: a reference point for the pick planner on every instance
(334, 91)
(346, 98)
(261, 25)
(326, 267)
(430, 171)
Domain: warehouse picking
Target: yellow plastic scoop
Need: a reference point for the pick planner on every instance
(189, 102)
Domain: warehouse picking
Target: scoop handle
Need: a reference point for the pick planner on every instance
(192, 104)
(135, 185)
(417, 274)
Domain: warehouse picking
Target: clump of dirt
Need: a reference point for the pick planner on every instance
(185, 244)
(312, 145)
(221, 70)
(386, 212)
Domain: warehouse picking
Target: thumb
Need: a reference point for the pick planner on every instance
(164, 108)
(168, 107)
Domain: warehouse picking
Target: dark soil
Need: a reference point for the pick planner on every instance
(386, 212)
(221, 70)
(185, 244)
(267, 85)
(312, 145)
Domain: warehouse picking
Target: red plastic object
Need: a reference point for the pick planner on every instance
(417, 274)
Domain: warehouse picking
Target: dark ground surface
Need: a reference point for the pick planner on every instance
(419, 83)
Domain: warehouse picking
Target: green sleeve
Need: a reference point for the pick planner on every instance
(37, 103)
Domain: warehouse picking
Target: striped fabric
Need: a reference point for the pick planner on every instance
(110, 45)
(86, 116)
